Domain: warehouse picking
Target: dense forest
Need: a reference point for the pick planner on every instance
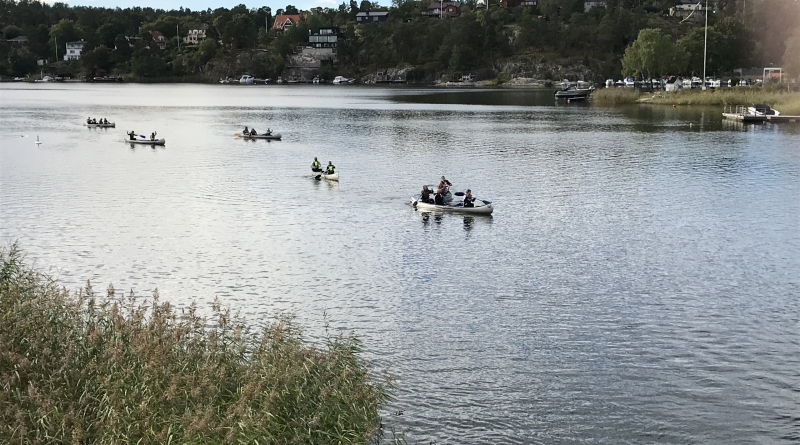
(495, 42)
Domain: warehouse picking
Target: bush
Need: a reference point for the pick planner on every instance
(83, 369)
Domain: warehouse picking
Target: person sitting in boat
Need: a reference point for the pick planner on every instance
(315, 166)
(330, 169)
(88, 120)
(269, 132)
(246, 131)
(105, 121)
(153, 136)
(425, 196)
(444, 184)
(469, 201)
(438, 198)
(253, 132)
(132, 135)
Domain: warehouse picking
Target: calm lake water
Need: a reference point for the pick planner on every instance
(639, 281)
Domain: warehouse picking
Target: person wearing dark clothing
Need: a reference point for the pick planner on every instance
(253, 132)
(132, 134)
(425, 196)
(315, 166)
(330, 169)
(438, 199)
(469, 201)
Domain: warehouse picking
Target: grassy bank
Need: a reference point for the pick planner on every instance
(79, 368)
(615, 96)
(781, 100)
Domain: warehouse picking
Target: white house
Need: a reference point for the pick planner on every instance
(74, 50)
(197, 34)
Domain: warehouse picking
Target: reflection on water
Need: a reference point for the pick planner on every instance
(637, 283)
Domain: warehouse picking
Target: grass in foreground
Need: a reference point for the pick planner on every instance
(615, 96)
(82, 369)
(785, 102)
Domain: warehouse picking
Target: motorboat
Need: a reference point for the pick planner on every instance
(761, 110)
(339, 80)
(272, 136)
(630, 82)
(609, 83)
(246, 80)
(573, 93)
(108, 125)
(715, 83)
(656, 83)
(481, 207)
(46, 79)
(315, 80)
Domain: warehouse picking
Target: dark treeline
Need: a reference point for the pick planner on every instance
(493, 41)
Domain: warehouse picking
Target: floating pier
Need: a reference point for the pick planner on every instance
(742, 113)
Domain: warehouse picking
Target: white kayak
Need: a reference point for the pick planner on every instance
(329, 177)
(108, 125)
(481, 207)
(273, 136)
(146, 141)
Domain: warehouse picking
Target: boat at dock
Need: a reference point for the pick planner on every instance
(573, 93)
(756, 113)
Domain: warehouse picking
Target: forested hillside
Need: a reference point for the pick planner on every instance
(554, 39)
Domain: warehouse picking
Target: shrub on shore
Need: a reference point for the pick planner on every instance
(785, 102)
(77, 368)
(615, 96)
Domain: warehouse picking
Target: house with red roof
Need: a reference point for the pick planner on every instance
(284, 21)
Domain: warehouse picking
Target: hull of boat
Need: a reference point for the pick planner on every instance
(108, 125)
(573, 94)
(485, 209)
(331, 177)
(146, 141)
(274, 136)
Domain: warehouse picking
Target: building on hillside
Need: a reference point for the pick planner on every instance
(444, 9)
(284, 21)
(197, 34)
(74, 50)
(371, 17)
(588, 5)
(159, 38)
(515, 3)
(480, 4)
(18, 41)
(324, 38)
(695, 12)
(132, 40)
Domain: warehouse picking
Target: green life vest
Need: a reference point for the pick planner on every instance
(330, 169)
(315, 164)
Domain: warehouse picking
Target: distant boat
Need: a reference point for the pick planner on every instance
(609, 83)
(339, 80)
(573, 93)
(629, 82)
(46, 79)
(315, 80)
(246, 80)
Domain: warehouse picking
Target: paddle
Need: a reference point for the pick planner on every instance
(236, 135)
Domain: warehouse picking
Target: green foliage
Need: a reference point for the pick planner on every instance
(21, 62)
(11, 31)
(147, 62)
(79, 368)
(65, 31)
(98, 58)
(652, 54)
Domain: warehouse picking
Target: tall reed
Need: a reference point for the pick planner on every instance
(615, 96)
(83, 369)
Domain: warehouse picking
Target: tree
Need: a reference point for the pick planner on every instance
(652, 54)
(64, 31)
(791, 58)
(11, 31)
(98, 58)
(21, 62)
(290, 10)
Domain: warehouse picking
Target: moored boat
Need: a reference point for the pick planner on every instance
(573, 93)
(481, 207)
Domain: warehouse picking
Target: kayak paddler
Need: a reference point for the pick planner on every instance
(315, 166)
(468, 199)
(330, 168)
(132, 134)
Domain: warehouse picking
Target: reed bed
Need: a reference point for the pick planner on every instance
(77, 368)
(785, 102)
(615, 96)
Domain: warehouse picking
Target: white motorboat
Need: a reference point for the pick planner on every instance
(630, 82)
(246, 80)
(272, 136)
(315, 80)
(108, 125)
(761, 110)
(609, 83)
(481, 207)
(339, 80)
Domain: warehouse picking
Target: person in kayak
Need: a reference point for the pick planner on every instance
(438, 198)
(88, 120)
(444, 184)
(246, 130)
(253, 132)
(105, 121)
(153, 136)
(132, 134)
(269, 132)
(330, 169)
(469, 201)
(425, 196)
(315, 166)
